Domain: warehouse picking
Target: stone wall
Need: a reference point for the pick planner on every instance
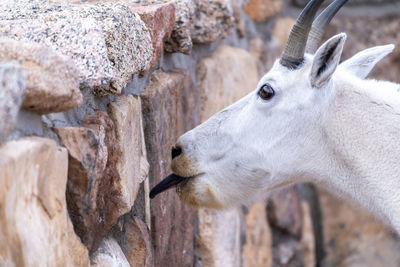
(93, 94)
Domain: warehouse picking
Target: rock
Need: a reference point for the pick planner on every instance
(284, 211)
(93, 190)
(160, 21)
(34, 227)
(125, 37)
(354, 238)
(12, 90)
(109, 254)
(218, 239)
(134, 238)
(307, 236)
(360, 37)
(257, 248)
(131, 162)
(80, 39)
(181, 39)
(282, 30)
(169, 106)
(261, 10)
(213, 21)
(52, 80)
(223, 80)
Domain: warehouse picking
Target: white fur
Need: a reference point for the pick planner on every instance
(342, 133)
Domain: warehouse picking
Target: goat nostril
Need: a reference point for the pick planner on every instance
(176, 151)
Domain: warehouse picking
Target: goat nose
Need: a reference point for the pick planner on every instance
(176, 151)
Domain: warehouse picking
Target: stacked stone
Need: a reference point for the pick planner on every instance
(78, 195)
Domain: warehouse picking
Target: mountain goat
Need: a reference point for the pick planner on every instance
(309, 120)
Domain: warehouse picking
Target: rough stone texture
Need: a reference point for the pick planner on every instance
(12, 90)
(35, 226)
(132, 165)
(281, 30)
(257, 247)
(213, 20)
(108, 42)
(354, 238)
(169, 110)
(284, 210)
(134, 238)
(218, 239)
(261, 10)
(159, 20)
(109, 254)
(93, 191)
(80, 39)
(52, 80)
(360, 37)
(229, 74)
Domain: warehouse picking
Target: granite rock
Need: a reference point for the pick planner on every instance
(52, 81)
(160, 21)
(92, 190)
(169, 106)
(35, 226)
(109, 254)
(117, 38)
(261, 10)
(257, 247)
(213, 21)
(131, 162)
(12, 90)
(80, 39)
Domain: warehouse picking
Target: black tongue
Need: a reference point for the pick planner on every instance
(165, 184)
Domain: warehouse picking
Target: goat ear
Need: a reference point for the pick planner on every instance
(326, 60)
(362, 63)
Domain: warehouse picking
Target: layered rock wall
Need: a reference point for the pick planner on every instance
(93, 94)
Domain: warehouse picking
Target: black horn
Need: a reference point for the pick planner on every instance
(293, 53)
(319, 25)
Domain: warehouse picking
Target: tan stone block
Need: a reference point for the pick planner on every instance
(52, 79)
(35, 229)
(218, 239)
(169, 106)
(227, 75)
(257, 248)
(261, 10)
(12, 91)
(93, 191)
(134, 238)
(352, 237)
(160, 21)
(307, 237)
(132, 165)
(109, 254)
(282, 30)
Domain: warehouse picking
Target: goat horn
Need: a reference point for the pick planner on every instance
(293, 53)
(320, 23)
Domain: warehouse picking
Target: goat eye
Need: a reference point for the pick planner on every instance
(266, 92)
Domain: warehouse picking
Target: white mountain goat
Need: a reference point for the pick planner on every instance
(309, 120)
